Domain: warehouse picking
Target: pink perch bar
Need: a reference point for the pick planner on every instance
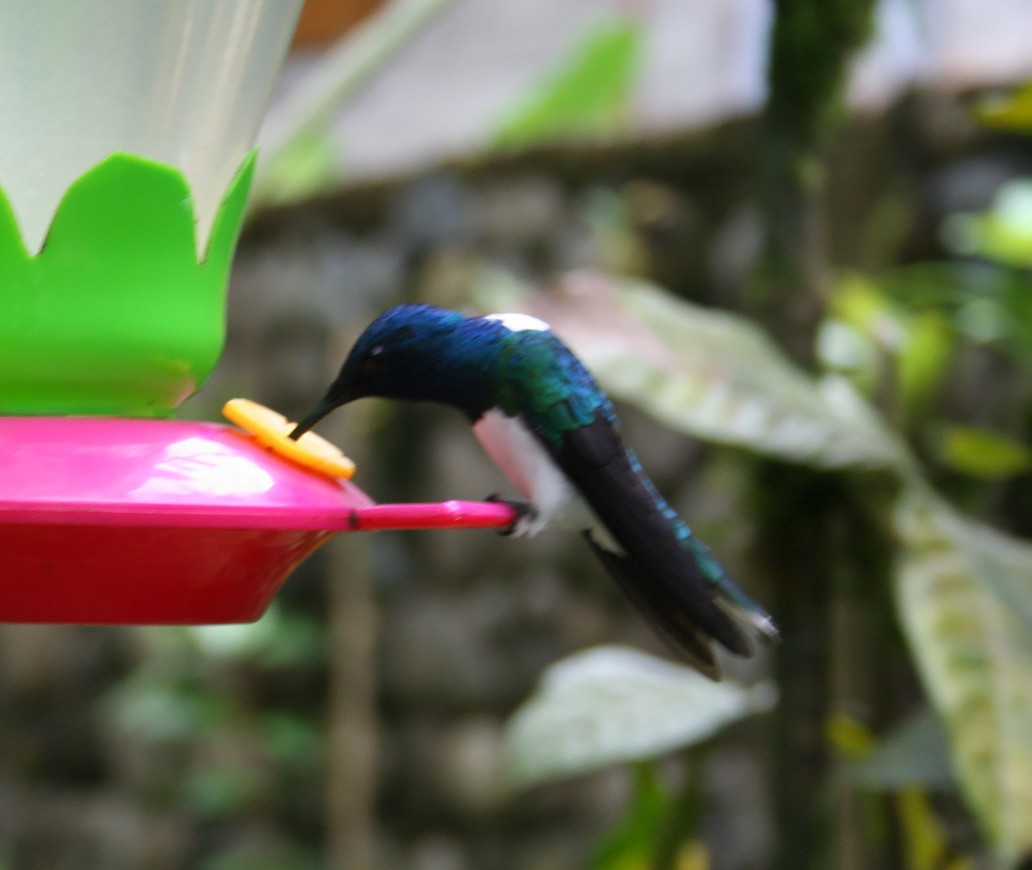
(153, 522)
(432, 515)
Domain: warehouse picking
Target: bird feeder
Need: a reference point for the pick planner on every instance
(124, 171)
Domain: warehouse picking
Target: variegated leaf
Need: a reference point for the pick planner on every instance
(965, 597)
(614, 704)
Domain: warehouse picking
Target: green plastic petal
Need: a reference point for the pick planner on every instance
(118, 314)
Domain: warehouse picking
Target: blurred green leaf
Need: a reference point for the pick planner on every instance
(986, 302)
(926, 842)
(279, 639)
(1011, 111)
(922, 361)
(910, 761)
(965, 598)
(861, 303)
(918, 341)
(614, 704)
(589, 95)
(163, 707)
(1004, 233)
(708, 373)
(982, 452)
(311, 164)
(982, 320)
(632, 843)
(290, 739)
(914, 753)
(1016, 300)
(842, 347)
(265, 855)
(221, 790)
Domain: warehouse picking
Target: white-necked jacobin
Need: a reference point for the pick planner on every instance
(551, 429)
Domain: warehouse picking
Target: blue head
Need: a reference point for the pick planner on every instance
(418, 353)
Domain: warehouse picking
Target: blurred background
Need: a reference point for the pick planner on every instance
(794, 241)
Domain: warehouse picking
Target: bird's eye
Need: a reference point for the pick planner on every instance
(374, 358)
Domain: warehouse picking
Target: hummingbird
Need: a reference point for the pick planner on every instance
(544, 420)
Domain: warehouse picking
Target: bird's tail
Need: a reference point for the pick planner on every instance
(752, 620)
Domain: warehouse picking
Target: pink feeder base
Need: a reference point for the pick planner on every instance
(106, 521)
(145, 575)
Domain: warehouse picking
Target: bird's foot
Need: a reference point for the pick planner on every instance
(526, 514)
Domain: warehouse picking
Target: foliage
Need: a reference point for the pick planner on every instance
(1004, 233)
(1012, 111)
(657, 830)
(588, 95)
(237, 756)
(986, 298)
(883, 347)
(983, 453)
(299, 158)
(914, 753)
(965, 596)
(308, 166)
(611, 705)
(910, 762)
(614, 704)
(278, 856)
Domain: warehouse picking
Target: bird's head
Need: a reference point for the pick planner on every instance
(412, 352)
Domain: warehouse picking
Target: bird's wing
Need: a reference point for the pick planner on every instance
(692, 644)
(659, 568)
(662, 568)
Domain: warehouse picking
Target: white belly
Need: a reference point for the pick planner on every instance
(527, 465)
(534, 473)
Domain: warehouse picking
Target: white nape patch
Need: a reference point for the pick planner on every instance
(516, 322)
(528, 466)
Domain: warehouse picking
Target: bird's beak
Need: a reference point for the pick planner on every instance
(307, 422)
